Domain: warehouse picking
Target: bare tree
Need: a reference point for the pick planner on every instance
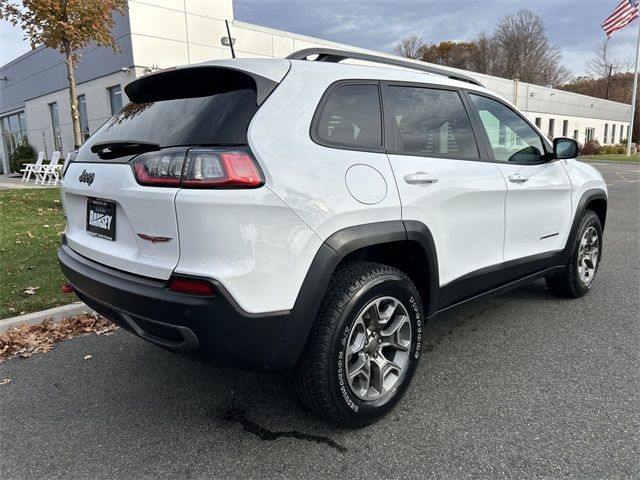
(410, 47)
(599, 66)
(518, 49)
(523, 50)
(483, 59)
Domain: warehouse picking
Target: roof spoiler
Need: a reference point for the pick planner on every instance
(197, 81)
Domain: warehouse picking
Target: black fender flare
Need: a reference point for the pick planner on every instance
(335, 248)
(586, 198)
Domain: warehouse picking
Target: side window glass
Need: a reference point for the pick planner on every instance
(431, 122)
(351, 117)
(512, 139)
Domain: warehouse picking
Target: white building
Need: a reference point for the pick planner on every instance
(34, 99)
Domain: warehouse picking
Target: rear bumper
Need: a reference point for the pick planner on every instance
(214, 329)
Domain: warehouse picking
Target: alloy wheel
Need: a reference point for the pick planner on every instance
(588, 252)
(377, 351)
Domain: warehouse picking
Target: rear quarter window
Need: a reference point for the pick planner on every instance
(350, 117)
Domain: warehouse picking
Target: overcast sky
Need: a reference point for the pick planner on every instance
(573, 25)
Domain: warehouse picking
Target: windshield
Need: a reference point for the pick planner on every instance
(220, 119)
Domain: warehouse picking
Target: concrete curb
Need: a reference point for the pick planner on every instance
(55, 314)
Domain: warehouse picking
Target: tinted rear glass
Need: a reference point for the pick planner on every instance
(220, 119)
(351, 118)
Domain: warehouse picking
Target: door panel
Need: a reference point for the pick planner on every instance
(464, 210)
(434, 156)
(538, 210)
(538, 206)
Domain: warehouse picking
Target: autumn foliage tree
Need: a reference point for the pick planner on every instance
(67, 26)
(518, 48)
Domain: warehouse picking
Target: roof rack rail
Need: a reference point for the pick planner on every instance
(335, 56)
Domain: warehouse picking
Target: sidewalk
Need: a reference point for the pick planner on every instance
(55, 314)
(15, 181)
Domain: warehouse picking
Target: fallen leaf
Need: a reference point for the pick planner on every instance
(6, 381)
(88, 357)
(25, 340)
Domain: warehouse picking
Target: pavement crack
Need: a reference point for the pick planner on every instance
(237, 416)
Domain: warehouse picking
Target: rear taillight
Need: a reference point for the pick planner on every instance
(191, 286)
(199, 168)
(162, 168)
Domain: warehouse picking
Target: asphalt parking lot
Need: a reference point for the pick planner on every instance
(521, 386)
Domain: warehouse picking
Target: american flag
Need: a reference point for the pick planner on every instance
(623, 15)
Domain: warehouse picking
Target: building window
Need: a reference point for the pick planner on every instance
(552, 128)
(565, 128)
(589, 134)
(621, 130)
(84, 119)
(115, 99)
(613, 133)
(576, 134)
(606, 132)
(14, 132)
(55, 126)
(538, 122)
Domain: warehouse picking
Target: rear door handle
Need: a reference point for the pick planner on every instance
(420, 178)
(518, 178)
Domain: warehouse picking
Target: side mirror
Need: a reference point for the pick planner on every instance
(565, 148)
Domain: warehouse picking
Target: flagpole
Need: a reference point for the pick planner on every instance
(635, 93)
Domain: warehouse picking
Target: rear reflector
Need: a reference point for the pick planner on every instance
(198, 168)
(191, 286)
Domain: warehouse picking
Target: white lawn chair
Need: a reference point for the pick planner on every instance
(44, 172)
(30, 168)
(56, 172)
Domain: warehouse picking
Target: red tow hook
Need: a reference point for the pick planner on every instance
(67, 288)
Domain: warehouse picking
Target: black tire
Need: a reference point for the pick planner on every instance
(568, 284)
(320, 374)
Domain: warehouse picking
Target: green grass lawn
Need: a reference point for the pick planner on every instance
(611, 158)
(31, 225)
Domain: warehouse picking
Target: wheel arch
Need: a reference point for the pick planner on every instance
(595, 200)
(408, 246)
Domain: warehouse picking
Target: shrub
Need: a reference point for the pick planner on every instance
(592, 147)
(24, 153)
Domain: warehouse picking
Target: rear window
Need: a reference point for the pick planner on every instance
(213, 120)
(351, 118)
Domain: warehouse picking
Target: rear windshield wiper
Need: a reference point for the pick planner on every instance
(120, 148)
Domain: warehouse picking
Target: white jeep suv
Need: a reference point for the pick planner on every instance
(312, 215)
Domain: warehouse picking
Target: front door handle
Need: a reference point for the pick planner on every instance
(518, 178)
(420, 178)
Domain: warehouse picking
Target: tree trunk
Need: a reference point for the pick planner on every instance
(73, 97)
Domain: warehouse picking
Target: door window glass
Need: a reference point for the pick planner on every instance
(511, 138)
(431, 122)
